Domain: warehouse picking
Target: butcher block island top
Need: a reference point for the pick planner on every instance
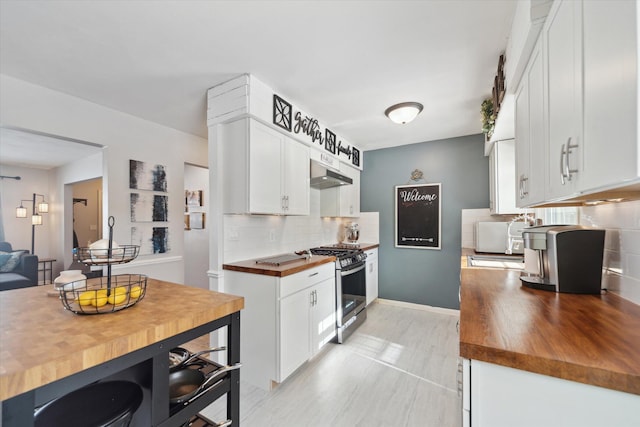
(591, 339)
(42, 342)
(250, 266)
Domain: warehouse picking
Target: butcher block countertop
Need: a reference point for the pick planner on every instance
(250, 266)
(591, 339)
(41, 342)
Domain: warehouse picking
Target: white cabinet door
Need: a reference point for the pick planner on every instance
(323, 314)
(265, 169)
(350, 194)
(372, 275)
(504, 397)
(531, 140)
(502, 178)
(610, 50)
(295, 341)
(343, 201)
(563, 47)
(295, 180)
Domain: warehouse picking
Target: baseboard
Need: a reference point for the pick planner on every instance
(423, 307)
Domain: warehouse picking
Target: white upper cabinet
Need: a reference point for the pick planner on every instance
(502, 178)
(610, 50)
(530, 144)
(267, 172)
(589, 133)
(563, 45)
(343, 201)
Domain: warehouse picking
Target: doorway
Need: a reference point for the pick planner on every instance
(87, 212)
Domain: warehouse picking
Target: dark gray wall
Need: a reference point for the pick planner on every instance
(425, 276)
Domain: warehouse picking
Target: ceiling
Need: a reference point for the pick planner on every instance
(343, 62)
(36, 150)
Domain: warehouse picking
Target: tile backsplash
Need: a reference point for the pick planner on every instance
(255, 236)
(622, 245)
(622, 242)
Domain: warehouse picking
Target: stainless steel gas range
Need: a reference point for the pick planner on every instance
(351, 287)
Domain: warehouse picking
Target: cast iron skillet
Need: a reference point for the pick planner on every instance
(185, 383)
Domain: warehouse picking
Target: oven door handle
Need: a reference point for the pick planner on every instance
(355, 270)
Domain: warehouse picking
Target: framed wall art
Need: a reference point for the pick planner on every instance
(193, 197)
(355, 156)
(152, 240)
(281, 113)
(196, 220)
(330, 141)
(147, 207)
(418, 208)
(147, 176)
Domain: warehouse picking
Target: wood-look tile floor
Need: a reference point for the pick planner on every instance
(398, 369)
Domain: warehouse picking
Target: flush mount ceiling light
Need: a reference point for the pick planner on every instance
(404, 112)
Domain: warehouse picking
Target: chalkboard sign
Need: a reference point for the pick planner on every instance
(418, 216)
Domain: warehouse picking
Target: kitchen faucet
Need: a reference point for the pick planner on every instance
(512, 240)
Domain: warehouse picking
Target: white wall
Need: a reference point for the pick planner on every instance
(124, 137)
(17, 231)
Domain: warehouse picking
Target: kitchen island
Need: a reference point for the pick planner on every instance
(533, 352)
(48, 351)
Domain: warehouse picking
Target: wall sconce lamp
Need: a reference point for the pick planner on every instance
(404, 112)
(36, 218)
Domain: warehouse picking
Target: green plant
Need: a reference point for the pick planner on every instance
(488, 117)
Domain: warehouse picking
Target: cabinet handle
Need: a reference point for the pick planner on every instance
(311, 298)
(459, 378)
(315, 297)
(525, 186)
(566, 173)
(569, 172)
(314, 274)
(562, 156)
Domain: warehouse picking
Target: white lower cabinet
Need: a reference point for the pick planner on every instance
(307, 322)
(498, 396)
(285, 321)
(372, 275)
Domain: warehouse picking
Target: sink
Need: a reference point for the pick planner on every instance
(496, 261)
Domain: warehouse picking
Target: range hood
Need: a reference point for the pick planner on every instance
(323, 177)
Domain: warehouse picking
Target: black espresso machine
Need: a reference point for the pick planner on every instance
(563, 258)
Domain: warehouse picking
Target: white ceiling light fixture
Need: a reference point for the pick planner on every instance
(404, 112)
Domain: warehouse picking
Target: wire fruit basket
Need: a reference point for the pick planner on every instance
(104, 294)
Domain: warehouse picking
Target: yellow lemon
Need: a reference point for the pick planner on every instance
(116, 298)
(86, 298)
(136, 291)
(121, 290)
(100, 298)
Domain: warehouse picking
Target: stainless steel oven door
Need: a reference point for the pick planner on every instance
(351, 296)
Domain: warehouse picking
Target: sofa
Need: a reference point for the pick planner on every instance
(18, 269)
